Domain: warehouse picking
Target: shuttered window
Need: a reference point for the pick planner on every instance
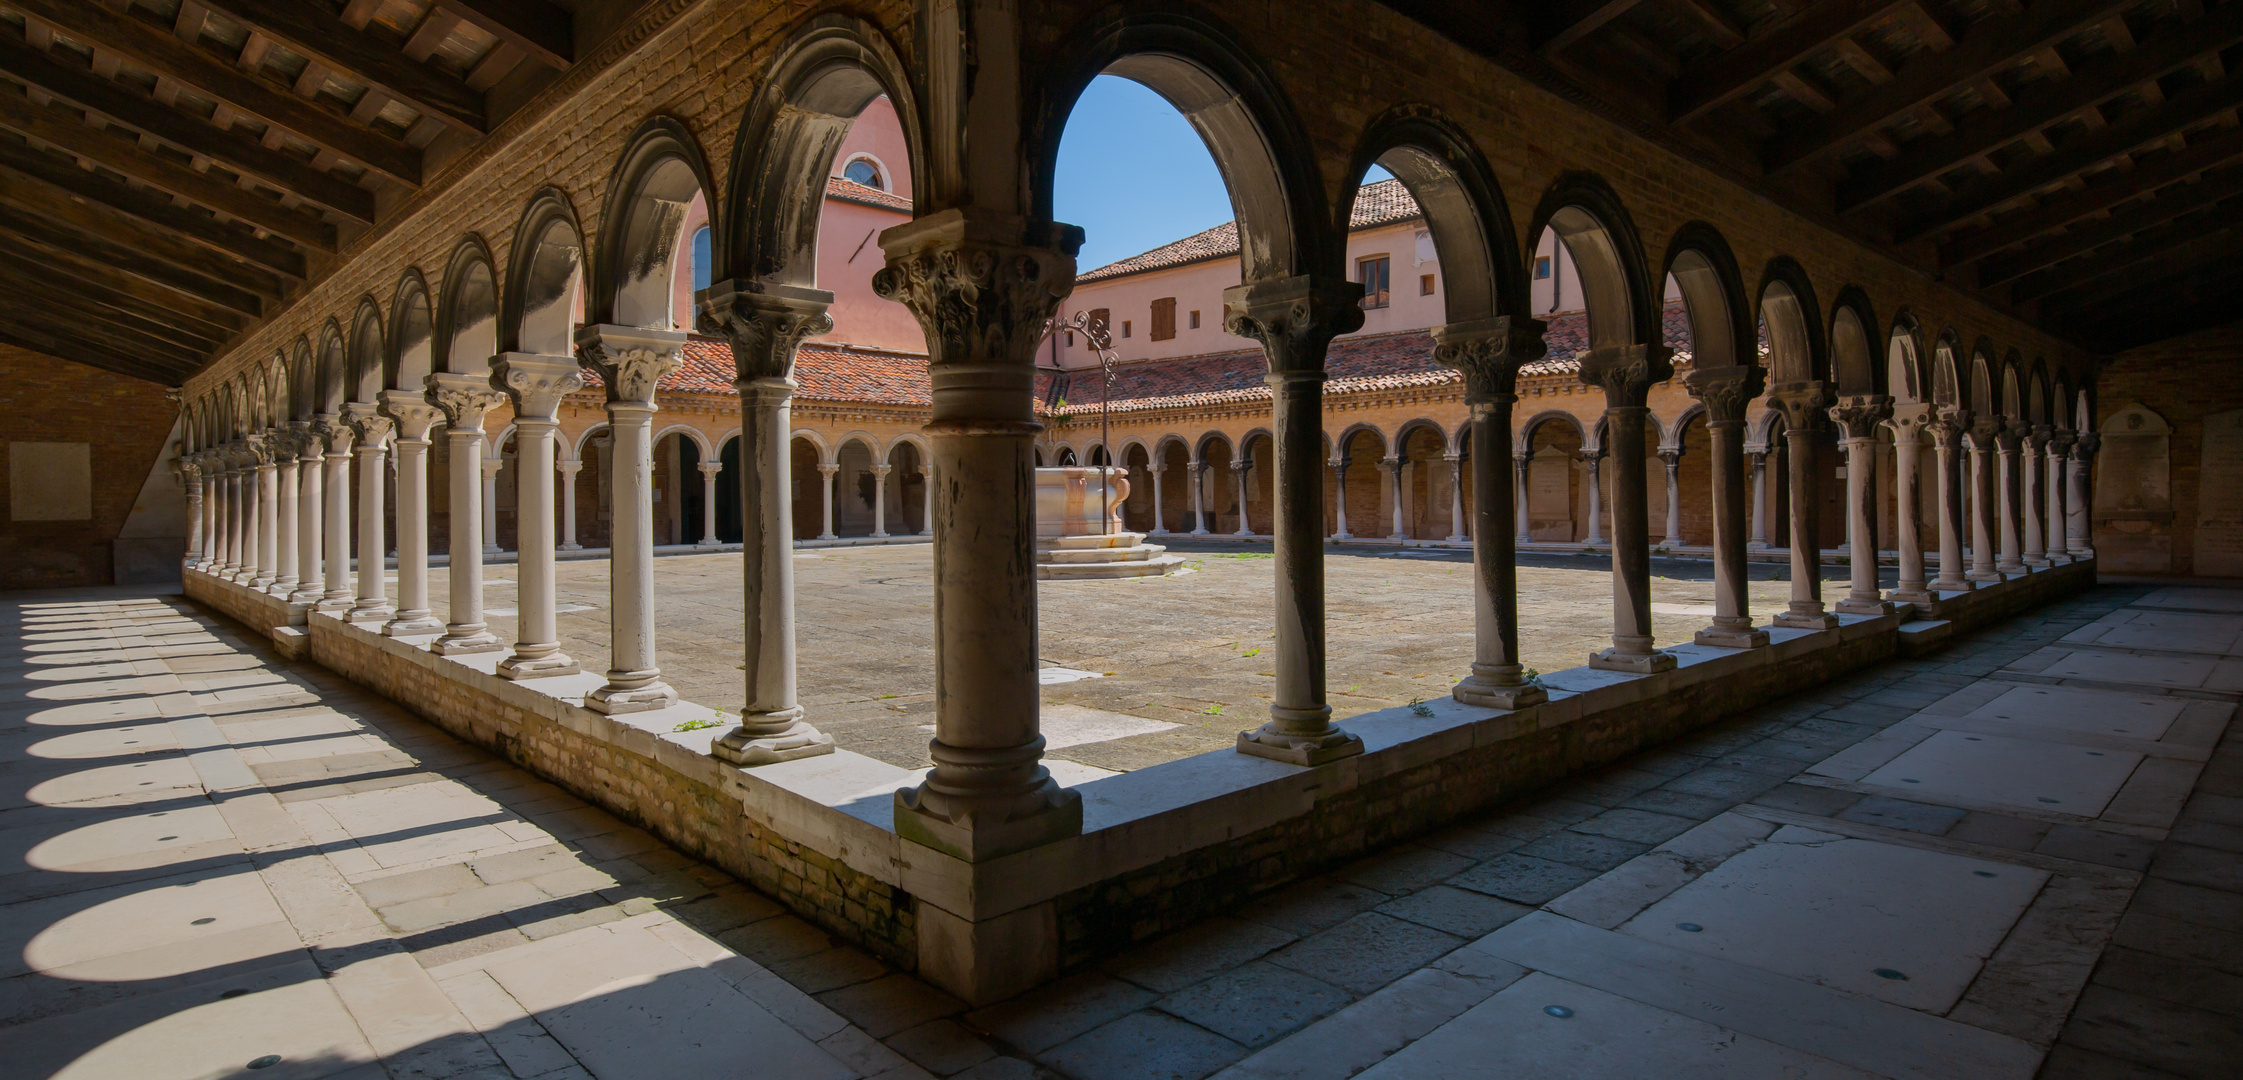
(1164, 318)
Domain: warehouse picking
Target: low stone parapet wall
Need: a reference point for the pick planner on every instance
(1161, 847)
(260, 611)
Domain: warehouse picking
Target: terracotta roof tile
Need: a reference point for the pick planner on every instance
(1382, 203)
(849, 191)
(823, 373)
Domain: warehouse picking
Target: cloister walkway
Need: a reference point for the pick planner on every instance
(219, 863)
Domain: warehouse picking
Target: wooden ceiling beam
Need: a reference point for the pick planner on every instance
(48, 296)
(2087, 236)
(1739, 71)
(77, 352)
(107, 335)
(33, 278)
(2183, 242)
(541, 30)
(2088, 151)
(244, 91)
(1985, 49)
(2043, 104)
(2206, 305)
(2144, 294)
(316, 32)
(69, 262)
(71, 135)
(47, 204)
(1576, 20)
(22, 165)
(31, 227)
(187, 132)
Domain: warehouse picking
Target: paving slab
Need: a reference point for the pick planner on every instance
(2026, 773)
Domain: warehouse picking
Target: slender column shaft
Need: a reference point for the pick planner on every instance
(229, 520)
(569, 471)
(268, 523)
(1595, 462)
(1805, 610)
(2079, 538)
(1631, 535)
(206, 505)
(2008, 505)
(709, 471)
(927, 499)
(879, 501)
(1339, 494)
(1298, 707)
(191, 485)
(1982, 508)
(337, 595)
(489, 503)
(537, 649)
(1522, 469)
(1238, 476)
(464, 397)
(413, 614)
(1489, 354)
(373, 468)
(826, 471)
(1673, 462)
(1456, 500)
(1199, 497)
(1160, 527)
(1759, 500)
(1947, 442)
(1725, 391)
(285, 522)
(311, 510)
(1394, 492)
(1907, 502)
(632, 362)
(2053, 488)
(2030, 498)
(1862, 595)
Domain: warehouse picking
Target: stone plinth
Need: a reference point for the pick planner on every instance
(1072, 542)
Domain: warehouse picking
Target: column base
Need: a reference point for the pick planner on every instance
(2010, 570)
(310, 598)
(1986, 576)
(336, 607)
(1507, 696)
(1913, 596)
(1304, 750)
(263, 582)
(1851, 606)
(1650, 663)
(769, 738)
(462, 642)
(1201, 532)
(1806, 620)
(714, 544)
(366, 613)
(1722, 637)
(568, 547)
(978, 829)
(2038, 562)
(413, 624)
(647, 697)
(1758, 545)
(519, 668)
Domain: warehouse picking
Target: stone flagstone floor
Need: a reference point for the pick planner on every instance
(2025, 847)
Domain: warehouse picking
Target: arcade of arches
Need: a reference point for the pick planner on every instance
(1811, 398)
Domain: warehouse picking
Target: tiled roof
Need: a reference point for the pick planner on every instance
(822, 373)
(1382, 203)
(849, 191)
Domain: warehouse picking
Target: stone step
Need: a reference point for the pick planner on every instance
(1100, 555)
(1153, 567)
(1109, 540)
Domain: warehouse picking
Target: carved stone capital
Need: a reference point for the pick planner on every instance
(258, 450)
(537, 383)
(413, 413)
(631, 360)
(1489, 352)
(331, 433)
(982, 284)
(764, 322)
(1909, 421)
(2084, 449)
(1294, 318)
(310, 443)
(463, 399)
(1726, 391)
(1802, 404)
(2061, 440)
(1858, 415)
(1626, 372)
(368, 424)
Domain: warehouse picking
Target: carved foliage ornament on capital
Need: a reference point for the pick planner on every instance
(764, 328)
(978, 300)
(1294, 319)
(463, 399)
(1803, 405)
(413, 413)
(1858, 415)
(1626, 373)
(1489, 353)
(631, 372)
(537, 384)
(1725, 391)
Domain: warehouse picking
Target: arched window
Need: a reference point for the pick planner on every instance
(701, 259)
(865, 171)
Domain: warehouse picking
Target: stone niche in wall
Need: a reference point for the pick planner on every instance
(2219, 497)
(2134, 493)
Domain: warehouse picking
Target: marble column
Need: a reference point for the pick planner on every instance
(231, 566)
(927, 499)
(1457, 534)
(489, 502)
(1522, 472)
(1295, 320)
(189, 474)
(1489, 352)
(286, 517)
(2030, 498)
(1983, 503)
(1908, 423)
(241, 500)
(879, 500)
(1198, 473)
(2079, 502)
(1593, 459)
(1726, 391)
(1626, 373)
(2059, 447)
(1759, 541)
(463, 399)
(1240, 466)
(766, 323)
(311, 516)
(709, 472)
(337, 598)
(267, 479)
(1858, 417)
(414, 417)
(1803, 405)
(2007, 502)
(1949, 442)
(1339, 496)
(372, 431)
(1394, 466)
(982, 285)
(632, 361)
(536, 384)
(568, 471)
(225, 486)
(1160, 527)
(826, 471)
(1672, 459)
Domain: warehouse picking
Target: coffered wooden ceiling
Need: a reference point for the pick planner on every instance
(171, 171)
(2078, 161)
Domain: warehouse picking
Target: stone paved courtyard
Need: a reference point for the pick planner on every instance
(223, 864)
(1187, 650)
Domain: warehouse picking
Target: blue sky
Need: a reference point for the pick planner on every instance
(1134, 175)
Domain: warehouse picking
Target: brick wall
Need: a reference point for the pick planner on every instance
(123, 420)
(2183, 380)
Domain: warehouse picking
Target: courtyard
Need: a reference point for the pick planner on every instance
(1179, 662)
